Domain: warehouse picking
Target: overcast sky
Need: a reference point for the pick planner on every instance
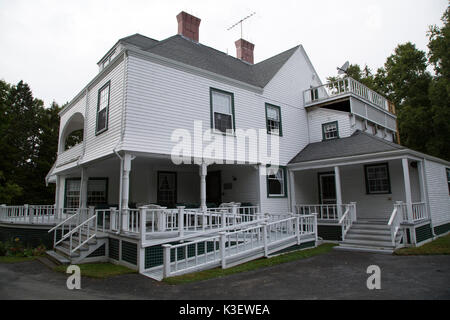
(54, 45)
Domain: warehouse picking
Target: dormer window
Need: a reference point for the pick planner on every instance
(108, 59)
(330, 130)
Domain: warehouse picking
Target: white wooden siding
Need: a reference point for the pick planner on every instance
(317, 117)
(438, 193)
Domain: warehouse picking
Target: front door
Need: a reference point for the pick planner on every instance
(167, 189)
(213, 188)
(327, 188)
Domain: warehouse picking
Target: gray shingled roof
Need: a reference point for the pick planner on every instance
(357, 144)
(195, 54)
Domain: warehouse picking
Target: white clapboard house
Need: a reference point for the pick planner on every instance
(341, 176)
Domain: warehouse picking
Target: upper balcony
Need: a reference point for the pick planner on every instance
(347, 94)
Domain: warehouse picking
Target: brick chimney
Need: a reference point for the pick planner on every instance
(244, 50)
(188, 25)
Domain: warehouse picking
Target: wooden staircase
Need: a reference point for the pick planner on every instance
(370, 236)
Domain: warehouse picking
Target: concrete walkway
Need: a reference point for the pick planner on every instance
(335, 275)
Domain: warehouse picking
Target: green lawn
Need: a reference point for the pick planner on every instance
(5, 259)
(99, 270)
(438, 246)
(252, 265)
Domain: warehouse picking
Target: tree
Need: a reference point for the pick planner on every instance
(28, 142)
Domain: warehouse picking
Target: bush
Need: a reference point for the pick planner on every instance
(15, 248)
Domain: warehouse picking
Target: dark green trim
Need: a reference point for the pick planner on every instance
(323, 131)
(443, 228)
(97, 132)
(279, 112)
(114, 248)
(176, 186)
(211, 89)
(285, 183)
(319, 174)
(332, 233)
(423, 233)
(388, 177)
(129, 252)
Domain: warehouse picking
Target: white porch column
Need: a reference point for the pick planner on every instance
(203, 173)
(83, 188)
(337, 181)
(407, 184)
(292, 190)
(126, 180)
(420, 171)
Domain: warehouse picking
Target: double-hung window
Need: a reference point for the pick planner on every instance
(276, 182)
(72, 196)
(448, 179)
(330, 130)
(97, 192)
(102, 109)
(222, 110)
(273, 119)
(377, 179)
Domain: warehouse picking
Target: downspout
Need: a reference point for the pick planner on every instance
(122, 127)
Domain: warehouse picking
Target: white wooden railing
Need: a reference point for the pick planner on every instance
(323, 211)
(395, 220)
(238, 246)
(344, 86)
(82, 234)
(415, 212)
(65, 227)
(348, 218)
(33, 214)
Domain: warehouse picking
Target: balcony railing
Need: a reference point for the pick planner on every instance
(70, 155)
(346, 86)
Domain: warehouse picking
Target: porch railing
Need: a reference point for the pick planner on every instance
(348, 218)
(415, 212)
(324, 211)
(394, 221)
(344, 86)
(34, 214)
(230, 248)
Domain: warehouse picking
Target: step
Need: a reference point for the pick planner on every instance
(57, 258)
(369, 237)
(366, 226)
(373, 232)
(65, 252)
(384, 250)
(373, 243)
(66, 245)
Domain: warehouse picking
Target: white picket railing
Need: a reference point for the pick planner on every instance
(82, 234)
(419, 211)
(344, 86)
(323, 211)
(34, 214)
(246, 243)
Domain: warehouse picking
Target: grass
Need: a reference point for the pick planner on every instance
(252, 265)
(438, 246)
(99, 270)
(5, 259)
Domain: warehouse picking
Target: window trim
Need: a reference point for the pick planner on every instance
(284, 183)
(89, 179)
(107, 84)
(269, 105)
(386, 165)
(323, 130)
(211, 90)
(447, 171)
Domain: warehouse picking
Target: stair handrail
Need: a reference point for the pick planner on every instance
(345, 221)
(63, 222)
(395, 220)
(79, 227)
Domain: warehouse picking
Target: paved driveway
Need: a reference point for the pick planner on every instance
(335, 275)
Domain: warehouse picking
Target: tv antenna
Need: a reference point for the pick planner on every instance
(343, 69)
(240, 22)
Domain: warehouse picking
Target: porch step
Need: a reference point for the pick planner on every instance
(369, 232)
(369, 237)
(57, 258)
(66, 252)
(48, 262)
(369, 243)
(369, 226)
(348, 247)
